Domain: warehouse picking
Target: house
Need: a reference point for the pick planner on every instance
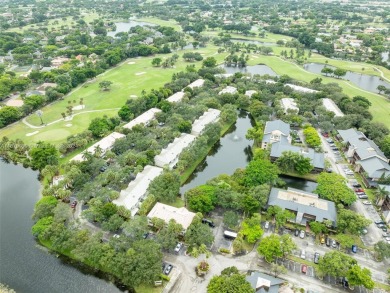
(176, 97)
(170, 155)
(263, 283)
(42, 88)
(57, 62)
(103, 145)
(249, 93)
(317, 160)
(145, 118)
(166, 213)
(301, 88)
(132, 197)
(306, 206)
(210, 116)
(289, 104)
(275, 131)
(365, 155)
(196, 83)
(332, 107)
(228, 90)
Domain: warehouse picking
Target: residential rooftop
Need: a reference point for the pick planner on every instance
(332, 107)
(145, 118)
(165, 212)
(176, 97)
(210, 116)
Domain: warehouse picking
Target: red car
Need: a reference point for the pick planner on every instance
(359, 190)
(304, 269)
(325, 134)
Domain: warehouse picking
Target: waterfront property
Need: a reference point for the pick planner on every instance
(276, 131)
(145, 118)
(210, 116)
(365, 155)
(301, 88)
(102, 146)
(165, 212)
(136, 191)
(289, 104)
(263, 283)
(317, 160)
(332, 107)
(170, 155)
(306, 206)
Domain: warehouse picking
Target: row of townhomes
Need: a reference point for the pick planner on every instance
(278, 139)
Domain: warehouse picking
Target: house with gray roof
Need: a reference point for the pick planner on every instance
(276, 131)
(365, 155)
(316, 159)
(306, 206)
(263, 283)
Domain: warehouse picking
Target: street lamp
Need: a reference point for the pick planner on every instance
(40, 113)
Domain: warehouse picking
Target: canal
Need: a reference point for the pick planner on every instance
(25, 266)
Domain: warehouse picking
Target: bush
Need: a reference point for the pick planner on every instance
(224, 250)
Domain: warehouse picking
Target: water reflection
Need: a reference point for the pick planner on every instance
(364, 81)
(124, 27)
(298, 183)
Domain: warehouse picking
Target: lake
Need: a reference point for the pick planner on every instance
(253, 69)
(25, 266)
(364, 81)
(124, 27)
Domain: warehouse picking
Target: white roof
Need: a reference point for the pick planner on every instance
(105, 144)
(165, 212)
(228, 90)
(144, 118)
(170, 155)
(136, 190)
(250, 93)
(300, 88)
(196, 83)
(270, 81)
(289, 103)
(176, 97)
(332, 107)
(210, 116)
(224, 75)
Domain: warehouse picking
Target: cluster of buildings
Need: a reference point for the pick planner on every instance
(278, 139)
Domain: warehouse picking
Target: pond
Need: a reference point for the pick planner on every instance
(259, 43)
(124, 27)
(24, 265)
(253, 69)
(364, 81)
(299, 183)
(232, 151)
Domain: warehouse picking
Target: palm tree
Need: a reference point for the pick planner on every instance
(381, 194)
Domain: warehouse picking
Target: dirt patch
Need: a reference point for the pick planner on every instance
(79, 107)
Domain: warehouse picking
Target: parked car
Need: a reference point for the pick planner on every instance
(304, 269)
(168, 269)
(296, 233)
(266, 225)
(178, 247)
(384, 229)
(327, 241)
(386, 234)
(316, 257)
(303, 254)
(363, 196)
(73, 204)
(380, 225)
(103, 169)
(356, 185)
(377, 222)
(364, 231)
(116, 236)
(360, 193)
(325, 134)
(334, 244)
(345, 283)
(322, 239)
(359, 190)
(367, 202)
(329, 140)
(302, 234)
(210, 223)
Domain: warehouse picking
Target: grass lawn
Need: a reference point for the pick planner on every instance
(149, 288)
(172, 23)
(380, 108)
(129, 78)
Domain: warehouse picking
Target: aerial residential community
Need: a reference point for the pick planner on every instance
(195, 146)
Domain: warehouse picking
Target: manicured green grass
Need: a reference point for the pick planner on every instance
(380, 107)
(171, 23)
(127, 81)
(149, 289)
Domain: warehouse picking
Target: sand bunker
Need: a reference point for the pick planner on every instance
(79, 107)
(68, 125)
(140, 73)
(133, 96)
(15, 103)
(253, 56)
(130, 63)
(32, 133)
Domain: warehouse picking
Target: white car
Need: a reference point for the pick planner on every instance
(366, 202)
(266, 225)
(302, 234)
(303, 254)
(178, 247)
